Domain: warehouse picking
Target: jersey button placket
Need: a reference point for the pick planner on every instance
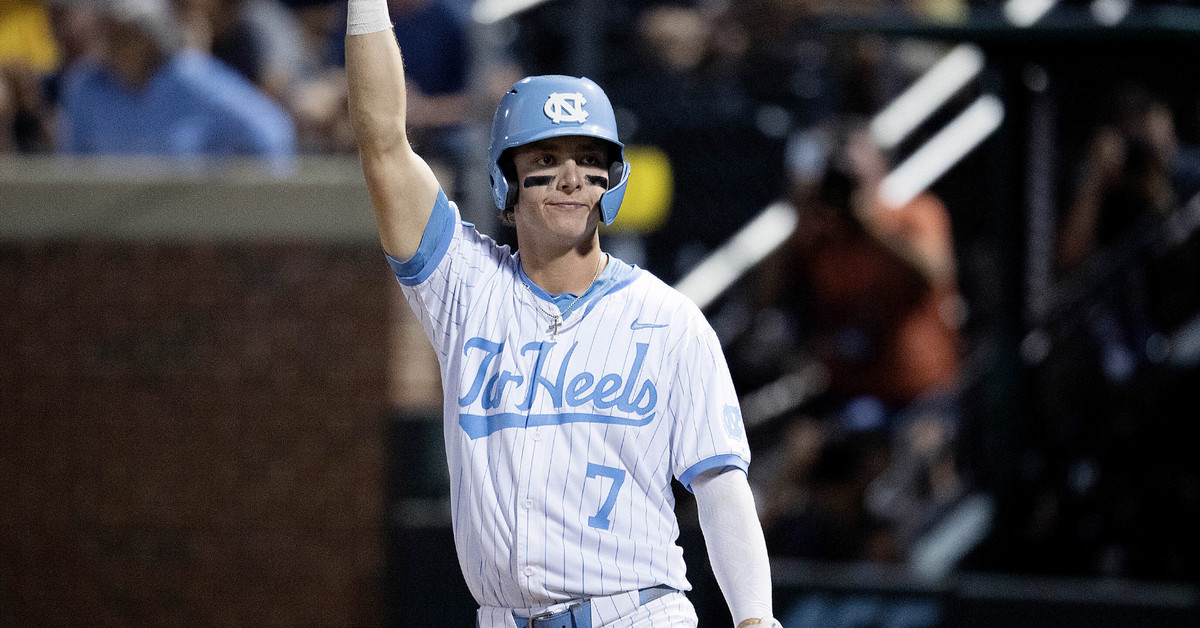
(526, 503)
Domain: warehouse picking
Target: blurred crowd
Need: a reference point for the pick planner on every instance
(1103, 486)
(187, 78)
(751, 101)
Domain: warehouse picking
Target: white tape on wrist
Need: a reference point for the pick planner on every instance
(367, 16)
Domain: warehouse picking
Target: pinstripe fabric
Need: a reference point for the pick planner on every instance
(562, 450)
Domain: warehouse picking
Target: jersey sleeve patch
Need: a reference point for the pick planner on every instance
(435, 241)
(724, 460)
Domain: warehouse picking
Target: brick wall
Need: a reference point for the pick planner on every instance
(192, 434)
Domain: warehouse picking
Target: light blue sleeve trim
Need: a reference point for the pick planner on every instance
(435, 241)
(724, 460)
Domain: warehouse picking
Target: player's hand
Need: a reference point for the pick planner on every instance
(760, 622)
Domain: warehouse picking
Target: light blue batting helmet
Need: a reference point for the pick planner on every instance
(539, 107)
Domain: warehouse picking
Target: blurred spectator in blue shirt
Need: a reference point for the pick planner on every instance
(146, 95)
(261, 39)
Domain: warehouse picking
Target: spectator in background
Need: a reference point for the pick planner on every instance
(76, 30)
(433, 35)
(1135, 173)
(687, 100)
(261, 39)
(877, 285)
(25, 34)
(318, 99)
(27, 53)
(814, 505)
(1105, 487)
(24, 116)
(875, 292)
(291, 51)
(147, 95)
(1135, 167)
(52, 38)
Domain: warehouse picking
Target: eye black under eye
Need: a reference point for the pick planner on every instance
(537, 181)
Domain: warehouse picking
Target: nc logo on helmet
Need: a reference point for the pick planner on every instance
(566, 108)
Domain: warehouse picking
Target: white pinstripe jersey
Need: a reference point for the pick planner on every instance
(562, 450)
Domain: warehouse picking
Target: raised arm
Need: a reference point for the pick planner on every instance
(402, 186)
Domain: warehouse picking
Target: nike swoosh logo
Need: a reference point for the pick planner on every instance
(635, 325)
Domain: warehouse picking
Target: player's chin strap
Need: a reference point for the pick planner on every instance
(760, 622)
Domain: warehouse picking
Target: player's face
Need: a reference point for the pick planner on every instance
(561, 180)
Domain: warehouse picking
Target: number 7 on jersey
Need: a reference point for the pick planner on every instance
(601, 520)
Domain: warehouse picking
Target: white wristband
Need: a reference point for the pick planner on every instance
(367, 16)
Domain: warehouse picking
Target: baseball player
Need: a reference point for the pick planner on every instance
(576, 386)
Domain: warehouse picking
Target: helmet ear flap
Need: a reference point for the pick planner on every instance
(610, 201)
(508, 170)
(616, 171)
(504, 182)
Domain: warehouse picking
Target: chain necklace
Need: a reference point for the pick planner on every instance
(556, 319)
